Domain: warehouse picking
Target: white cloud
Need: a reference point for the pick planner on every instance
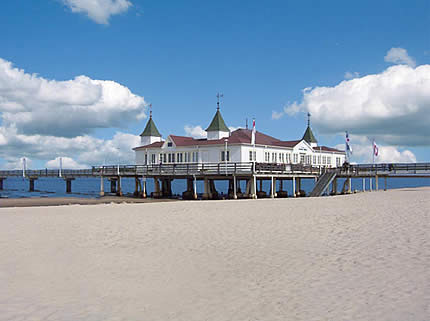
(195, 131)
(35, 105)
(277, 115)
(99, 11)
(84, 150)
(393, 106)
(351, 75)
(363, 150)
(399, 56)
(67, 163)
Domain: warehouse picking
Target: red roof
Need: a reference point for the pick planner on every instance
(239, 136)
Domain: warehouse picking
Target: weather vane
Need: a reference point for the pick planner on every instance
(150, 110)
(309, 118)
(218, 96)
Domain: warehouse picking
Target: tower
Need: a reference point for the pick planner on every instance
(217, 128)
(150, 134)
(309, 136)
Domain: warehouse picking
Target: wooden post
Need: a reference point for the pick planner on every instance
(156, 187)
(281, 185)
(370, 183)
(385, 183)
(31, 181)
(102, 186)
(195, 188)
(112, 185)
(248, 188)
(299, 186)
(272, 193)
(376, 182)
(349, 185)
(294, 186)
(261, 185)
(144, 187)
(1, 183)
(274, 187)
(136, 186)
(69, 184)
(334, 187)
(119, 190)
(254, 189)
(234, 187)
(364, 184)
(205, 195)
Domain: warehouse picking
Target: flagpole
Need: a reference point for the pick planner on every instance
(373, 151)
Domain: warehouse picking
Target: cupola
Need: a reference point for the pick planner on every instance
(217, 128)
(150, 134)
(309, 136)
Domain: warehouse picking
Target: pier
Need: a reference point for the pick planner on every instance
(253, 174)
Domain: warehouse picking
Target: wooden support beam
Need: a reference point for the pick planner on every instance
(195, 187)
(31, 183)
(234, 187)
(112, 185)
(294, 186)
(119, 189)
(385, 183)
(272, 188)
(364, 184)
(376, 182)
(102, 186)
(1, 183)
(205, 195)
(68, 184)
(144, 193)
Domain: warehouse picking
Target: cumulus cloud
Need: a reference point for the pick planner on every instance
(351, 75)
(84, 150)
(195, 131)
(66, 162)
(393, 106)
(35, 105)
(399, 56)
(363, 150)
(99, 11)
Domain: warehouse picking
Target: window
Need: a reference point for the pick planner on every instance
(337, 161)
(146, 159)
(314, 160)
(266, 157)
(308, 159)
(319, 160)
(153, 158)
(323, 160)
(195, 157)
(170, 158)
(250, 155)
(179, 157)
(302, 158)
(225, 156)
(296, 158)
(328, 160)
(164, 158)
(169, 144)
(173, 158)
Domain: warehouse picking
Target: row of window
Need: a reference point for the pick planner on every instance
(186, 157)
(304, 159)
(285, 158)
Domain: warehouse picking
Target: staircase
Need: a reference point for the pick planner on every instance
(322, 184)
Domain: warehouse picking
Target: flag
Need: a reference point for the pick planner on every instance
(253, 133)
(375, 149)
(347, 145)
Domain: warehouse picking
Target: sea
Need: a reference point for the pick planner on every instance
(18, 187)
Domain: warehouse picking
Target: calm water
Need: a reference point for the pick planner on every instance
(90, 187)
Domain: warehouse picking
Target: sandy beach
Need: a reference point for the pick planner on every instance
(355, 257)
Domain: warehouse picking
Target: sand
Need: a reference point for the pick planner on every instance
(357, 257)
(56, 201)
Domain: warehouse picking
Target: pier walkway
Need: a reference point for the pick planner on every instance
(252, 173)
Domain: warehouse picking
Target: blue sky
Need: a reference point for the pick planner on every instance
(178, 54)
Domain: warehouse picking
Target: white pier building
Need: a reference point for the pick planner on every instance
(223, 146)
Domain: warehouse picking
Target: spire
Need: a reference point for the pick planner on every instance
(150, 128)
(309, 135)
(218, 124)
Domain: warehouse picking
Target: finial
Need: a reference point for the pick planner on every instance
(246, 123)
(218, 96)
(309, 119)
(150, 110)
